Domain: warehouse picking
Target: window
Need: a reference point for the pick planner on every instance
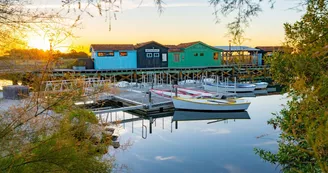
(216, 56)
(195, 54)
(156, 55)
(123, 54)
(164, 57)
(201, 54)
(149, 55)
(176, 57)
(101, 54)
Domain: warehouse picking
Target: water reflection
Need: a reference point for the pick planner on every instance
(193, 116)
(145, 124)
(201, 142)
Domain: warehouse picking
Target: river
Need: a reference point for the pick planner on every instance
(211, 145)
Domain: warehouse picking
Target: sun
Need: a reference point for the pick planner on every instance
(39, 43)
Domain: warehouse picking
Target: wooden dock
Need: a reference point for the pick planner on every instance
(138, 101)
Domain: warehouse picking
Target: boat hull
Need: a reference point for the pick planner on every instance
(261, 85)
(196, 106)
(227, 88)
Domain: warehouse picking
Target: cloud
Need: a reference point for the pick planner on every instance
(216, 131)
(142, 158)
(265, 143)
(232, 169)
(173, 158)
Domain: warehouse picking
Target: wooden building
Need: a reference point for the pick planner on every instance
(151, 54)
(113, 56)
(194, 54)
(242, 55)
(267, 51)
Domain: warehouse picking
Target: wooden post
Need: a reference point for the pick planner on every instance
(150, 125)
(176, 91)
(149, 97)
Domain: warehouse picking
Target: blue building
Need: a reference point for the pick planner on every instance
(113, 56)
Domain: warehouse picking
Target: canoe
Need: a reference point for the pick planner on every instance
(229, 88)
(210, 104)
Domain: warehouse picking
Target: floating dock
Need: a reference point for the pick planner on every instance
(137, 100)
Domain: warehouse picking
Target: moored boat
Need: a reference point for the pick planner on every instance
(202, 93)
(261, 85)
(220, 87)
(210, 104)
(169, 94)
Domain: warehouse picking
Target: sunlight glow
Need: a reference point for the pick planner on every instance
(39, 43)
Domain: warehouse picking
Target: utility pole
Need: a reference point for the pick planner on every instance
(229, 51)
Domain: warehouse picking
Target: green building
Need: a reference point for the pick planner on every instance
(194, 54)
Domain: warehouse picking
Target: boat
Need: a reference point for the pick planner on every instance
(220, 87)
(191, 93)
(261, 85)
(122, 84)
(188, 81)
(210, 104)
(258, 85)
(169, 94)
(205, 94)
(180, 115)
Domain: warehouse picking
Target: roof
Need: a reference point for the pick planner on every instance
(270, 48)
(237, 48)
(173, 48)
(186, 45)
(139, 45)
(99, 47)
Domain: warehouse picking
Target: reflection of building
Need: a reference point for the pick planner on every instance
(267, 51)
(145, 124)
(240, 55)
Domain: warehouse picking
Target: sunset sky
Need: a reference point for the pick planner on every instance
(182, 21)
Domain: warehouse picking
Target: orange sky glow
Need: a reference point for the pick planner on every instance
(183, 21)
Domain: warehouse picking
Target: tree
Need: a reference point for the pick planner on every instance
(303, 143)
(47, 132)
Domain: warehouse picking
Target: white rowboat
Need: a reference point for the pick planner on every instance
(210, 104)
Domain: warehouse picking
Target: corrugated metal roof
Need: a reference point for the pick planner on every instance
(271, 48)
(102, 47)
(237, 48)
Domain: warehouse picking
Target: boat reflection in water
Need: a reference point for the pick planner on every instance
(196, 116)
(201, 116)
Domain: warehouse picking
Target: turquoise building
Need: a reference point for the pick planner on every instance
(113, 56)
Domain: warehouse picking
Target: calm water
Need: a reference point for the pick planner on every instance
(211, 145)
